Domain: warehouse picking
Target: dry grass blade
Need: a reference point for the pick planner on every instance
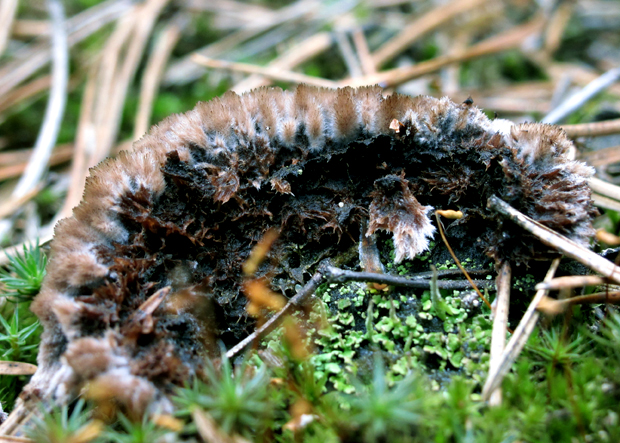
(593, 129)
(507, 40)
(61, 154)
(85, 142)
(605, 202)
(186, 70)
(8, 439)
(154, 71)
(18, 95)
(604, 188)
(13, 204)
(7, 15)
(596, 298)
(292, 57)
(551, 238)
(272, 73)
(353, 64)
(55, 106)
(571, 281)
(34, 57)
(500, 326)
(577, 100)
(517, 341)
(602, 157)
(422, 25)
(16, 368)
(363, 52)
(143, 20)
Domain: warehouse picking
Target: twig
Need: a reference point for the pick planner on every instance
(457, 261)
(275, 74)
(337, 275)
(61, 154)
(144, 20)
(572, 281)
(602, 157)
(294, 56)
(153, 72)
(593, 129)
(518, 339)
(500, 326)
(363, 53)
(9, 439)
(28, 90)
(574, 102)
(604, 188)
(80, 26)
(551, 238)
(597, 297)
(55, 105)
(85, 141)
(7, 15)
(186, 70)
(13, 204)
(510, 39)
(422, 25)
(353, 64)
(296, 301)
(605, 202)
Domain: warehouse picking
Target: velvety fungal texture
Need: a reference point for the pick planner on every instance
(145, 278)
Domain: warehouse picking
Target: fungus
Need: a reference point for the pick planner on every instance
(145, 277)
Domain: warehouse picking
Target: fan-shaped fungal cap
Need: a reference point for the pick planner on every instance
(183, 208)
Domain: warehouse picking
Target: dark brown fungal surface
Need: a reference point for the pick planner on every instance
(146, 275)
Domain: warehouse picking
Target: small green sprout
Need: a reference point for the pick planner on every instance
(22, 281)
(57, 426)
(18, 343)
(143, 431)
(237, 399)
(381, 412)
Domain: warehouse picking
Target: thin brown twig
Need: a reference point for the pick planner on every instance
(551, 238)
(84, 142)
(500, 326)
(154, 71)
(363, 52)
(11, 205)
(512, 38)
(422, 25)
(291, 58)
(595, 129)
(348, 55)
(31, 28)
(61, 154)
(602, 157)
(458, 263)
(24, 92)
(605, 202)
(275, 74)
(78, 27)
(571, 281)
(517, 341)
(144, 19)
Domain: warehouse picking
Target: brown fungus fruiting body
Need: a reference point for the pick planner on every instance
(145, 277)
